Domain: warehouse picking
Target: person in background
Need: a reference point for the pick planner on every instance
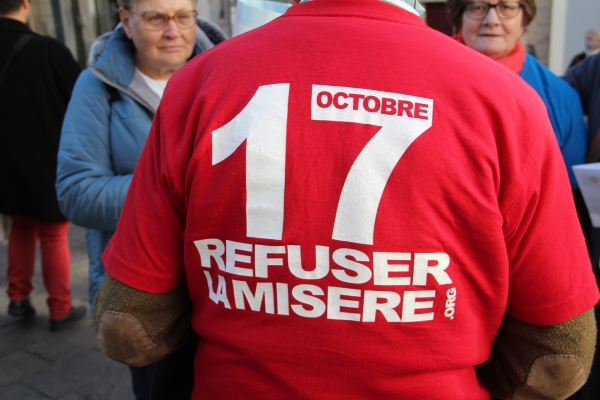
(37, 77)
(592, 47)
(424, 263)
(494, 29)
(585, 79)
(109, 117)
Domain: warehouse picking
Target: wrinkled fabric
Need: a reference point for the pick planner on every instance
(565, 112)
(469, 188)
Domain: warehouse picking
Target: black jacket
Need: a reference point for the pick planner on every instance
(33, 100)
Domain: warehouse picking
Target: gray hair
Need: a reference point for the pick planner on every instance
(128, 4)
(593, 32)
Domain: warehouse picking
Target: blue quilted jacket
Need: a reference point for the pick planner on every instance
(564, 110)
(102, 138)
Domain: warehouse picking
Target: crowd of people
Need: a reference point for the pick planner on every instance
(342, 203)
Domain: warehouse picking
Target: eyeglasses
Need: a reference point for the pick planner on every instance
(156, 21)
(504, 9)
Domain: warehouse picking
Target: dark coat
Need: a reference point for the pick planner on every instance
(577, 59)
(585, 78)
(33, 100)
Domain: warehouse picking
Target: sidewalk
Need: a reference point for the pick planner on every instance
(37, 364)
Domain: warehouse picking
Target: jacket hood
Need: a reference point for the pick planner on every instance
(98, 46)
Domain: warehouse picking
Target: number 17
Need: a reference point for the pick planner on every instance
(263, 123)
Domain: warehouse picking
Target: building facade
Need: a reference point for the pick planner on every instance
(555, 35)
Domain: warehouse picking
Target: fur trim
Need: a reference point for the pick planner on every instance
(97, 47)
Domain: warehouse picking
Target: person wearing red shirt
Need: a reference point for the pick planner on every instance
(343, 204)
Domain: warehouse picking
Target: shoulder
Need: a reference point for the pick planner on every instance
(506, 83)
(38, 46)
(49, 42)
(50, 53)
(587, 69)
(544, 80)
(88, 112)
(50, 45)
(593, 61)
(88, 82)
(89, 92)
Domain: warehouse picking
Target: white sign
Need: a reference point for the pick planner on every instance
(250, 14)
(588, 177)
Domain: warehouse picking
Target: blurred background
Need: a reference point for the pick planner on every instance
(555, 36)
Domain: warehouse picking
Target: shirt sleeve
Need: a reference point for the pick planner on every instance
(146, 252)
(551, 279)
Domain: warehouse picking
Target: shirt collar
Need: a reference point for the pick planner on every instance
(397, 3)
(403, 5)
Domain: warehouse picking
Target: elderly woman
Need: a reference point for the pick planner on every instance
(494, 28)
(110, 113)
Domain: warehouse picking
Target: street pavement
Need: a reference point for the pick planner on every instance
(37, 364)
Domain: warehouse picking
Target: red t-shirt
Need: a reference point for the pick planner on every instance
(354, 201)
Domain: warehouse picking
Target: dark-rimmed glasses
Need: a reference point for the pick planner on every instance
(156, 21)
(504, 9)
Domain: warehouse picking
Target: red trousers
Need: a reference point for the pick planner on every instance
(56, 262)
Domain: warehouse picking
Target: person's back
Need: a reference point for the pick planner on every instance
(361, 209)
(585, 79)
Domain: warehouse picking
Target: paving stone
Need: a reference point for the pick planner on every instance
(11, 342)
(21, 334)
(21, 365)
(78, 396)
(66, 365)
(67, 343)
(115, 386)
(18, 391)
(72, 374)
